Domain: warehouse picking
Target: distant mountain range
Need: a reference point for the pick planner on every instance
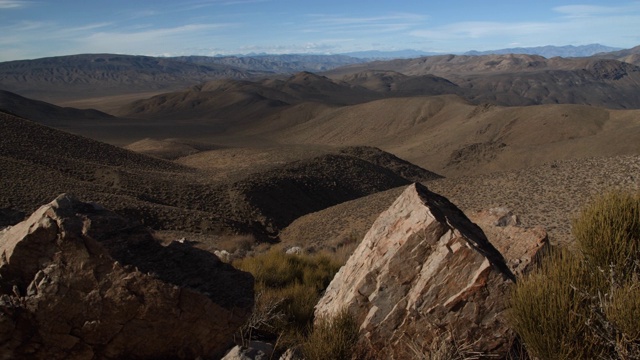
(398, 54)
(286, 63)
(548, 51)
(91, 76)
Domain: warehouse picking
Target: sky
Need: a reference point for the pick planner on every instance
(40, 28)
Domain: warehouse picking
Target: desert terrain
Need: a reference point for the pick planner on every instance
(253, 154)
(250, 154)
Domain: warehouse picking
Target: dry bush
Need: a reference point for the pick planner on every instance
(334, 338)
(445, 346)
(550, 309)
(288, 288)
(608, 234)
(623, 313)
(587, 305)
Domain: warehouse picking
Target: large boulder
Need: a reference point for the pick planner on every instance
(522, 247)
(424, 275)
(80, 282)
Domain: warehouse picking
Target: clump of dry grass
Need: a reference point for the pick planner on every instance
(334, 338)
(288, 288)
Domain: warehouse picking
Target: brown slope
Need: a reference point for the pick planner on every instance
(376, 122)
(309, 87)
(91, 123)
(29, 141)
(230, 103)
(452, 137)
(40, 163)
(169, 149)
(392, 83)
(218, 106)
(549, 195)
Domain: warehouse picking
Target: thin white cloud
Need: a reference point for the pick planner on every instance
(149, 41)
(13, 4)
(204, 4)
(480, 29)
(35, 31)
(331, 23)
(576, 11)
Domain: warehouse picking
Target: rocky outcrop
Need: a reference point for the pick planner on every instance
(521, 247)
(424, 271)
(80, 282)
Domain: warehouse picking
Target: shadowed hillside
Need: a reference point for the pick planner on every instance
(46, 113)
(40, 162)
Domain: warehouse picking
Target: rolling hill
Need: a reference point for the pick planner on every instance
(453, 137)
(258, 156)
(39, 163)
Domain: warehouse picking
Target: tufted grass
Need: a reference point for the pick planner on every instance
(334, 338)
(288, 288)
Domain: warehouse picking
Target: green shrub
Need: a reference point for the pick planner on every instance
(587, 304)
(334, 338)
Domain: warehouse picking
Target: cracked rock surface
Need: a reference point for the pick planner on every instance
(81, 282)
(424, 272)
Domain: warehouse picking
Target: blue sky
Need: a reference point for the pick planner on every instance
(39, 28)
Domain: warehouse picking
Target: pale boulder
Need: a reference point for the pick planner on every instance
(424, 271)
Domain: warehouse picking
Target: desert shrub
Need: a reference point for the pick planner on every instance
(288, 288)
(608, 234)
(623, 311)
(334, 338)
(550, 309)
(586, 304)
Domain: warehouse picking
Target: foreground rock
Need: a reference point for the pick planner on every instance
(80, 282)
(424, 272)
(521, 247)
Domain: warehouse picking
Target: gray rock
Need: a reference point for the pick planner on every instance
(81, 282)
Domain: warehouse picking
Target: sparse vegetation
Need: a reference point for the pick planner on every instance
(587, 304)
(287, 287)
(334, 338)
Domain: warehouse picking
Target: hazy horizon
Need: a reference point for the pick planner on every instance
(35, 29)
